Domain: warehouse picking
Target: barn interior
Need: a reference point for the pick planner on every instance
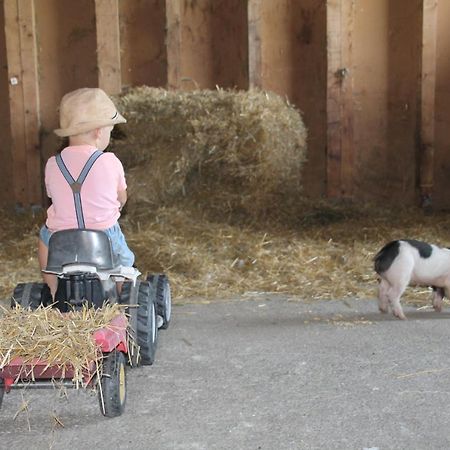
(367, 80)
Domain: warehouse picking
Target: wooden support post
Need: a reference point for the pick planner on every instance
(21, 54)
(340, 151)
(254, 12)
(174, 10)
(427, 99)
(108, 46)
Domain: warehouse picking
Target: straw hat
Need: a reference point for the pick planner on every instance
(84, 110)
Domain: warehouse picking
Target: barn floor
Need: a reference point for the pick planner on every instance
(323, 252)
(265, 373)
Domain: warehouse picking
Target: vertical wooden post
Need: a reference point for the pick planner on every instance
(21, 54)
(427, 99)
(108, 46)
(254, 12)
(174, 42)
(340, 151)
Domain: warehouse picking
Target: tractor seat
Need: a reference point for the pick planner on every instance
(90, 247)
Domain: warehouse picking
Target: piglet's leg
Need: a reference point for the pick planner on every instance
(383, 301)
(394, 294)
(438, 295)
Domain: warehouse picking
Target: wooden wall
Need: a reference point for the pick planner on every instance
(370, 76)
(293, 63)
(386, 65)
(142, 42)
(67, 58)
(442, 129)
(207, 44)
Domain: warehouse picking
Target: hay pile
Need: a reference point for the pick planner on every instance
(326, 254)
(59, 339)
(232, 151)
(18, 249)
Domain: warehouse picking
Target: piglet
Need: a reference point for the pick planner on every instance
(409, 262)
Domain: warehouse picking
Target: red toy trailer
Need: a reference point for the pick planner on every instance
(108, 373)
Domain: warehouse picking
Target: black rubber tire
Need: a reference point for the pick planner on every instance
(142, 328)
(147, 330)
(129, 296)
(30, 295)
(112, 393)
(161, 284)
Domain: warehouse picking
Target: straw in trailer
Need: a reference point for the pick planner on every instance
(47, 336)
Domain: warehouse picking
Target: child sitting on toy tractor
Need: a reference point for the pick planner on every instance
(87, 187)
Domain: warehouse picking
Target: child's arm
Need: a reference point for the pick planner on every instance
(122, 197)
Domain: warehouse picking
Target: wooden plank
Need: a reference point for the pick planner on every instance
(427, 99)
(108, 46)
(347, 143)
(21, 54)
(18, 154)
(255, 43)
(30, 87)
(174, 42)
(333, 98)
(340, 149)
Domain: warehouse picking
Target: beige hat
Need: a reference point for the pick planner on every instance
(84, 110)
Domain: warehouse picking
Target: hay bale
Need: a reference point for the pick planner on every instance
(227, 150)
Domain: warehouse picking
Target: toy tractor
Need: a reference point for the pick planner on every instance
(87, 274)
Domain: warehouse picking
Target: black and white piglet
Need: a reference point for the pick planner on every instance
(409, 262)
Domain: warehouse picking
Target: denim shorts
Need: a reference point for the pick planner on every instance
(120, 248)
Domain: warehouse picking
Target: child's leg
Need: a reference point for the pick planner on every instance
(124, 256)
(48, 278)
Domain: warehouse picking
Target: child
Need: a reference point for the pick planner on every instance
(87, 117)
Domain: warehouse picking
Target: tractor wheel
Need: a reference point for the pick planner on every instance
(112, 394)
(142, 321)
(129, 296)
(31, 295)
(147, 331)
(163, 297)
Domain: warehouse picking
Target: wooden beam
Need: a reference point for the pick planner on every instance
(174, 54)
(254, 12)
(108, 46)
(21, 54)
(340, 149)
(427, 99)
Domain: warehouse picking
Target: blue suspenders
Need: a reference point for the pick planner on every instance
(76, 184)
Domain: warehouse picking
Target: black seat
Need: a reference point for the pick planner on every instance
(91, 247)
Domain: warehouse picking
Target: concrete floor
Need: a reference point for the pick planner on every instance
(265, 373)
